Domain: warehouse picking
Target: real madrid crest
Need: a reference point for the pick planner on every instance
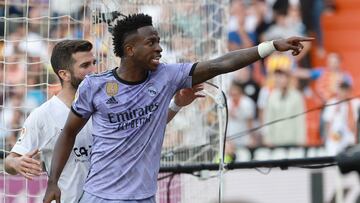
(112, 88)
(152, 91)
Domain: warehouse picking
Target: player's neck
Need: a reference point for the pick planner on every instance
(130, 72)
(66, 95)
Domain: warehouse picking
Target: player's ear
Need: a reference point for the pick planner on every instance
(130, 45)
(65, 75)
(129, 49)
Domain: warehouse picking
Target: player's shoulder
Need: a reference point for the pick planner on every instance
(171, 67)
(44, 106)
(40, 112)
(107, 73)
(97, 79)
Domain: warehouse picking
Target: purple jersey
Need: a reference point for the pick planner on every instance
(129, 122)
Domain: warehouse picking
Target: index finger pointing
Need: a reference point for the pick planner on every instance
(304, 39)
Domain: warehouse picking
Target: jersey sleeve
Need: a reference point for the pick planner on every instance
(83, 105)
(29, 138)
(180, 74)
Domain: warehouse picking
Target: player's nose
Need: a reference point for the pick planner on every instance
(158, 48)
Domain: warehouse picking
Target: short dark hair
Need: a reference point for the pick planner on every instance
(238, 84)
(127, 26)
(281, 7)
(344, 85)
(61, 57)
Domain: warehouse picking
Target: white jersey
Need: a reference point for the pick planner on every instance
(340, 134)
(41, 130)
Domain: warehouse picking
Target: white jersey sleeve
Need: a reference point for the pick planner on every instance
(30, 134)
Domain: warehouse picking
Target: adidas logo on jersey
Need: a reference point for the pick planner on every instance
(111, 100)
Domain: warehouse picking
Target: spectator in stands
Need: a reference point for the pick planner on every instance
(275, 61)
(340, 119)
(240, 35)
(311, 11)
(250, 87)
(327, 84)
(287, 22)
(64, 7)
(284, 100)
(264, 17)
(241, 114)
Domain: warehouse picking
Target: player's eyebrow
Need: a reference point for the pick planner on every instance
(153, 38)
(87, 63)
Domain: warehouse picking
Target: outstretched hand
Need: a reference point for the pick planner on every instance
(292, 43)
(27, 165)
(185, 96)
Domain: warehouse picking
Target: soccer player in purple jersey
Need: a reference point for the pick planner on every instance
(128, 106)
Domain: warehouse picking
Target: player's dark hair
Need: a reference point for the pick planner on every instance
(238, 85)
(126, 27)
(281, 7)
(61, 57)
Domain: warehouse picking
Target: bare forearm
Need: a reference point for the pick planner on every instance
(61, 153)
(229, 62)
(238, 59)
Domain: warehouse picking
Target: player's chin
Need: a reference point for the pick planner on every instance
(153, 66)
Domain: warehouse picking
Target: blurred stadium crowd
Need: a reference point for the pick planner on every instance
(277, 87)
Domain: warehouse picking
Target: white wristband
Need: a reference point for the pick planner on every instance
(174, 107)
(266, 48)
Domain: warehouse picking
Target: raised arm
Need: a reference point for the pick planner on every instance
(62, 150)
(238, 59)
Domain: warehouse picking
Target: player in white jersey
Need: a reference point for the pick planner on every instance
(71, 61)
(40, 131)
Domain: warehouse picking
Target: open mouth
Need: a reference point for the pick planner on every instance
(156, 60)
